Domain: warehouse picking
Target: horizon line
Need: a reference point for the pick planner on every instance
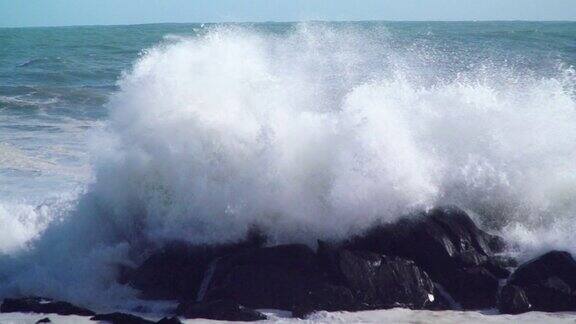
(295, 21)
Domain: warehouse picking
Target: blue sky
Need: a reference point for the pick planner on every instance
(96, 12)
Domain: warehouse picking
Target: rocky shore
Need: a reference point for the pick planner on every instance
(434, 260)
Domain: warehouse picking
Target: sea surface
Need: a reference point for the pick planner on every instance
(117, 138)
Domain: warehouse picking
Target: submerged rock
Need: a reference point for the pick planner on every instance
(121, 318)
(222, 310)
(43, 320)
(546, 283)
(42, 305)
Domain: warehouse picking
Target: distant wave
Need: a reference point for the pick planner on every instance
(22, 101)
(39, 61)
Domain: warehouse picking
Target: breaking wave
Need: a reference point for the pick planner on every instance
(313, 133)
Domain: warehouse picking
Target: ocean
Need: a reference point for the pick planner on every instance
(114, 139)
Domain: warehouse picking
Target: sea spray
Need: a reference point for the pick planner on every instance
(318, 132)
(312, 135)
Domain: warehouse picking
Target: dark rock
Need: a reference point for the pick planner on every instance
(328, 255)
(44, 320)
(391, 265)
(176, 271)
(294, 278)
(439, 239)
(222, 310)
(497, 269)
(42, 305)
(551, 295)
(473, 287)
(384, 282)
(469, 258)
(495, 243)
(121, 318)
(463, 233)
(503, 261)
(287, 277)
(513, 300)
(446, 244)
(558, 264)
(169, 320)
(326, 297)
(442, 300)
(547, 283)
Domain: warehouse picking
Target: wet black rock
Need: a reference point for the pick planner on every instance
(513, 300)
(222, 310)
(446, 244)
(558, 264)
(294, 278)
(383, 282)
(287, 277)
(390, 265)
(499, 265)
(172, 273)
(120, 318)
(473, 287)
(42, 305)
(176, 271)
(327, 297)
(440, 239)
(547, 283)
(495, 243)
(441, 300)
(43, 320)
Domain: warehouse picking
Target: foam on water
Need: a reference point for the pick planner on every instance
(317, 133)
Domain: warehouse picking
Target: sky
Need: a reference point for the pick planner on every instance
(21, 13)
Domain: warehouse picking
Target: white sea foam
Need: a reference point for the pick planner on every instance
(314, 134)
(395, 315)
